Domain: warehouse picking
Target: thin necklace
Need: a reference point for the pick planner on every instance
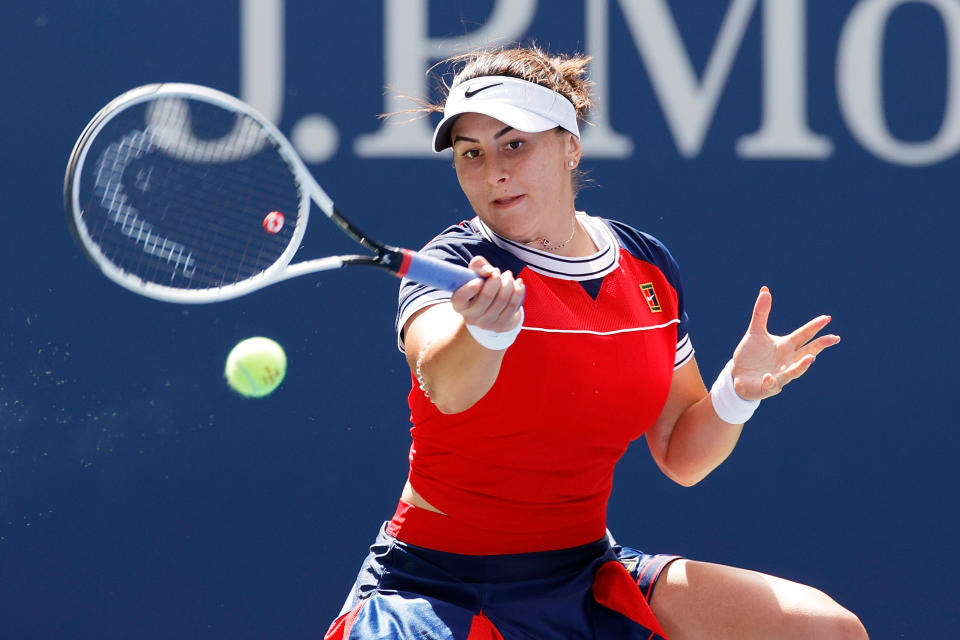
(546, 245)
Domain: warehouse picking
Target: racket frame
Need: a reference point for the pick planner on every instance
(397, 261)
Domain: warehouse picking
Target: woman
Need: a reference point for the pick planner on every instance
(528, 384)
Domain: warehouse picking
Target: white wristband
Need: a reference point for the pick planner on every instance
(494, 340)
(729, 406)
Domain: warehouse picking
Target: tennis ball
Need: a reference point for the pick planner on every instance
(255, 367)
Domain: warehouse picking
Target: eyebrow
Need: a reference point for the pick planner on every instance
(496, 136)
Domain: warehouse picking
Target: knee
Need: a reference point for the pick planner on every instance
(828, 619)
(845, 625)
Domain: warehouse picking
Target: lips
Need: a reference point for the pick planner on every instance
(507, 201)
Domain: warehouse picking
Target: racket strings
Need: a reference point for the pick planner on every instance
(229, 167)
(179, 191)
(108, 184)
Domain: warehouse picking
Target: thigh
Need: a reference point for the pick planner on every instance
(703, 600)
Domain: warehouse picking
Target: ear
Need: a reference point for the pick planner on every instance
(573, 149)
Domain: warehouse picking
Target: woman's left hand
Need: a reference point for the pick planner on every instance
(763, 363)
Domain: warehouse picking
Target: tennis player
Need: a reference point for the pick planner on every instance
(529, 382)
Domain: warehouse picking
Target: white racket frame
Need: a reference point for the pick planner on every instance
(280, 270)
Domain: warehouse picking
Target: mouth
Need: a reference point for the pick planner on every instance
(506, 202)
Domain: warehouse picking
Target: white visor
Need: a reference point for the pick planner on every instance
(525, 106)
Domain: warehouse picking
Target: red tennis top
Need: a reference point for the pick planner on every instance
(530, 466)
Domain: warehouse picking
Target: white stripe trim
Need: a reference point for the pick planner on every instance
(685, 352)
(602, 333)
(592, 267)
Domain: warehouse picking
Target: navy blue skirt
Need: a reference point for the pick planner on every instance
(597, 590)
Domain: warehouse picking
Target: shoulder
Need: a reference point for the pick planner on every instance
(639, 243)
(456, 244)
(461, 242)
(643, 246)
(456, 241)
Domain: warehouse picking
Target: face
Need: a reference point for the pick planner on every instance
(518, 183)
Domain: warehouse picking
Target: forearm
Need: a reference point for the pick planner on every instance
(699, 443)
(688, 439)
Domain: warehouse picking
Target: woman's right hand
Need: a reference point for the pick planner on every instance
(491, 301)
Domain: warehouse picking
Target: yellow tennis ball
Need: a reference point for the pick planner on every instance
(255, 367)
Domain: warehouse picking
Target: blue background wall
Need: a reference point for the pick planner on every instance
(139, 497)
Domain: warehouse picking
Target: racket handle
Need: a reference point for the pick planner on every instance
(434, 271)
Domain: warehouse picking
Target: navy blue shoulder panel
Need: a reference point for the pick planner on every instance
(457, 244)
(645, 247)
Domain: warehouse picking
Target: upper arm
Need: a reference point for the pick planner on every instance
(453, 369)
(432, 323)
(686, 389)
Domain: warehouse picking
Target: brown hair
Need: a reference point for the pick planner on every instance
(565, 74)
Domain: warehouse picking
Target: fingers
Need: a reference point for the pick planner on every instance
(805, 343)
(773, 383)
(761, 311)
(481, 266)
(462, 296)
(805, 333)
(492, 303)
(768, 362)
(814, 347)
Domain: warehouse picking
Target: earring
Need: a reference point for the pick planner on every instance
(571, 164)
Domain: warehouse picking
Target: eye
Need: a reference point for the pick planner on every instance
(513, 145)
(470, 153)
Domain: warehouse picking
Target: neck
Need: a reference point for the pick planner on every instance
(556, 244)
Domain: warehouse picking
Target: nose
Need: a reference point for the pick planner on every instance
(496, 170)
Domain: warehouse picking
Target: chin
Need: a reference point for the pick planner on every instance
(503, 227)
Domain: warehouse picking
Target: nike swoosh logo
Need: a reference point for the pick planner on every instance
(469, 94)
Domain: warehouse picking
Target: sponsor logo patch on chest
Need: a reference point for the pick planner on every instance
(650, 295)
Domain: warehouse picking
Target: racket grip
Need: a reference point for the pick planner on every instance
(434, 271)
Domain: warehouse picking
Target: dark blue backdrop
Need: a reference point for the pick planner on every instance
(139, 497)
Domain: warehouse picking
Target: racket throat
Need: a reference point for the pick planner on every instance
(397, 261)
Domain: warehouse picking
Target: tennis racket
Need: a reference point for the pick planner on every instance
(185, 194)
